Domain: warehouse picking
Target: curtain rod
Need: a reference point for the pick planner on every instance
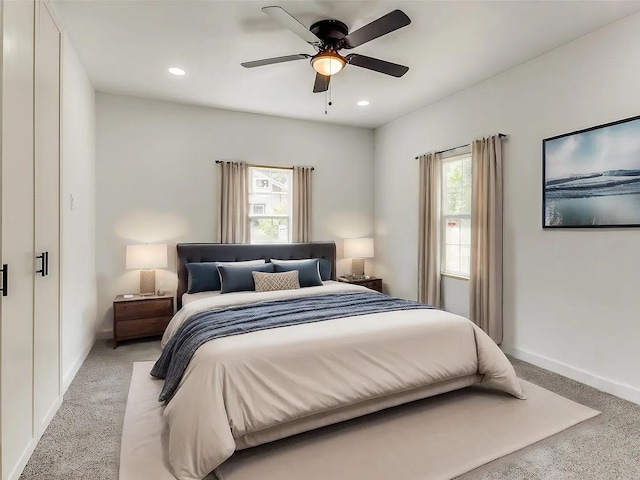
(266, 166)
(460, 146)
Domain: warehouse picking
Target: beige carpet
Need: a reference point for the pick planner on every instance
(435, 438)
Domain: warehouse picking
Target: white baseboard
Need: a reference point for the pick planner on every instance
(48, 417)
(31, 446)
(42, 426)
(619, 389)
(70, 374)
(24, 458)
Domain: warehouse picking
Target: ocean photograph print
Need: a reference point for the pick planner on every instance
(592, 177)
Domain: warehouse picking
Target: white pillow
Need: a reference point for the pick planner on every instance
(245, 262)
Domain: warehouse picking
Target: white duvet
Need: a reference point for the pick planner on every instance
(239, 386)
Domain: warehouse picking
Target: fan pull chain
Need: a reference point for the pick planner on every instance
(327, 94)
(325, 102)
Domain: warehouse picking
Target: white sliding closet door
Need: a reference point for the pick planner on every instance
(47, 219)
(16, 321)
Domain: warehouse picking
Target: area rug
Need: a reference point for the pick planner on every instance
(437, 438)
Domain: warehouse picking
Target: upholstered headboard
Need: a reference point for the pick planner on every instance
(235, 252)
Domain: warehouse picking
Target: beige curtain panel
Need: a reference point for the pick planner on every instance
(233, 213)
(301, 230)
(429, 229)
(485, 280)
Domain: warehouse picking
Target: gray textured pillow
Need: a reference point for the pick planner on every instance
(268, 282)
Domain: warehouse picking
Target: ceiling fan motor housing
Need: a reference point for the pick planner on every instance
(331, 32)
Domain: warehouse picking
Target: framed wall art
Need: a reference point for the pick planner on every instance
(591, 178)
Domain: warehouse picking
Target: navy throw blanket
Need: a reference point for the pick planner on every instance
(204, 326)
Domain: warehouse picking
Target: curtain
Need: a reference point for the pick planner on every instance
(485, 280)
(233, 213)
(301, 230)
(429, 229)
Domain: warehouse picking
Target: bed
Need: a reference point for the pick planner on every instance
(251, 388)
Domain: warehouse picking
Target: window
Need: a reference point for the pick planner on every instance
(270, 205)
(456, 216)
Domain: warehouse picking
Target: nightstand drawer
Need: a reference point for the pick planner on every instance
(372, 284)
(142, 327)
(143, 309)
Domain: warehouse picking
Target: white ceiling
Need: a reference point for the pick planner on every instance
(127, 46)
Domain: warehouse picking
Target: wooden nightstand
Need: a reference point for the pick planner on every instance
(139, 316)
(374, 283)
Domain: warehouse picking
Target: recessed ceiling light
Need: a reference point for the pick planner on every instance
(176, 71)
(363, 103)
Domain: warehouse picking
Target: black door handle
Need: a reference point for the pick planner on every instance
(46, 263)
(43, 270)
(5, 279)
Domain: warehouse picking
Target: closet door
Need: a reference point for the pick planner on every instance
(16, 321)
(47, 220)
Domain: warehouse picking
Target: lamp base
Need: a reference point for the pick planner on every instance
(357, 268)
(147, 282)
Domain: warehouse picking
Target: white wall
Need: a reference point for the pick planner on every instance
(78, 286)
(570, 300)
(157, 178)
(455, 295)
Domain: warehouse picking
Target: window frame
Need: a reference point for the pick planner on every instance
(459, 274)
(251, 215)
(253, 209)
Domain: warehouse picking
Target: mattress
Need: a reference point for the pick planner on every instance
(194, 297)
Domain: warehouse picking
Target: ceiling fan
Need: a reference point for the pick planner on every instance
(328, 37)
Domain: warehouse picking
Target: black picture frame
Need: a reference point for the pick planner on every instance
(591, 177)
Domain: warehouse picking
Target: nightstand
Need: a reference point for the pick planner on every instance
(140, 316)
(374, 283)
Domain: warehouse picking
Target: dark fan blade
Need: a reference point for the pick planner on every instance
(285, 19)
(385, 24)
(270, 61)
(376, 64)
(321, 84)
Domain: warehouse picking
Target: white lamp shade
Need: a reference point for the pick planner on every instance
(358, 247)
(146, 256)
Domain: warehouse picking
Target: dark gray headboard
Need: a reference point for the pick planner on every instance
(235, 252)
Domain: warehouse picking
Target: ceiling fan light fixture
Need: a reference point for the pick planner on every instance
(328, 63)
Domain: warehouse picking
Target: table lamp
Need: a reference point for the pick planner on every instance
(358, 249)
(145, 258)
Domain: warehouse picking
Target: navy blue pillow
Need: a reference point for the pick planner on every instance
(325, 266)
(325, 269)
(238, 278)
(308, 270)
(203, 277)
